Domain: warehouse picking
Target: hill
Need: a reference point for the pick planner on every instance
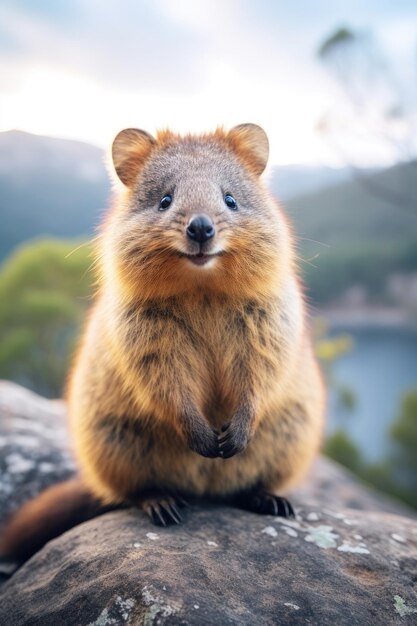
(363, 230)
(289, 181)
(58, 187)
(49, 187)
(381, 206)
(367, 227)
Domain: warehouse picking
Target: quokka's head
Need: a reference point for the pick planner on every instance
(194, 215)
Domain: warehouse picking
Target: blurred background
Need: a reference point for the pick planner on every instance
(335, 87)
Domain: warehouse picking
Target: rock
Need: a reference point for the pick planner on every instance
(222, 567)
(34, 448)
(332, 565)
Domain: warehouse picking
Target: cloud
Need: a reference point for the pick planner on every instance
(87, 67)
(131, 46)
(164, 46)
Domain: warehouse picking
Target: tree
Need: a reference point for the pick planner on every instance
(340, 448)
(404, 436)
(328, 349)
(397, 473)
(44, 292)
(377, 109)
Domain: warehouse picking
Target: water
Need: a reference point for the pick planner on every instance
(381, 366)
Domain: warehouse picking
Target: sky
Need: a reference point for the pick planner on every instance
(84, 69)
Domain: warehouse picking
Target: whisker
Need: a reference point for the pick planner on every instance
(85, 243)
(321, 243)
(307, 261)
(89, 268)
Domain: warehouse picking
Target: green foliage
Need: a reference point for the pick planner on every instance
(347, 397)
(340, 37)
(366, 264)
(44, 293)
(357, 232)
(328, 349)
(404, 436)
(385, 477)
(379, 475)
(397, 474)
(341, 449)
(404, 433)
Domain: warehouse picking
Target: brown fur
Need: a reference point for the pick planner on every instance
(56, 510)
(171, 352)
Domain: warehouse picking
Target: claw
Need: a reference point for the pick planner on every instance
(222, 439)
(274, 505)
(170, 510)
(159, 520)
(286, 508)
(163, 511)
(291, 509)
(226, 432)
(267, 504)
(231, 441)
(228, 452)
(177, 513)
(226, 446)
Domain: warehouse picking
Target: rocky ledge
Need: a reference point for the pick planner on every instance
(350, 556)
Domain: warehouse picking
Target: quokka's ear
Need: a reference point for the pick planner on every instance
(251, 144)
(130, 149)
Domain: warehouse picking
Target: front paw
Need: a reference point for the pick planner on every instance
(204, 442)
(233, 439)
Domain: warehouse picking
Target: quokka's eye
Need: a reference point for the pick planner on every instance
(165, 202)
(230, 202)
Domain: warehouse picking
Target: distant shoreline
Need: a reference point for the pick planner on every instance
(368, 316)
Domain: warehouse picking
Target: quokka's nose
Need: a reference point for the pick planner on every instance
(200, 228)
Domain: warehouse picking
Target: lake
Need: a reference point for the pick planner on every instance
(381, 366)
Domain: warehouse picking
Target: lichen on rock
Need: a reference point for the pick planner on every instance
(333, 564)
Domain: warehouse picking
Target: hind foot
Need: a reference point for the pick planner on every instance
(163, 510)
(266, 504)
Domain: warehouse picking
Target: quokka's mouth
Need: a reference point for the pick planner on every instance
(200, 258)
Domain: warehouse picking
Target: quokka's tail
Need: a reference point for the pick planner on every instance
(54, 511)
